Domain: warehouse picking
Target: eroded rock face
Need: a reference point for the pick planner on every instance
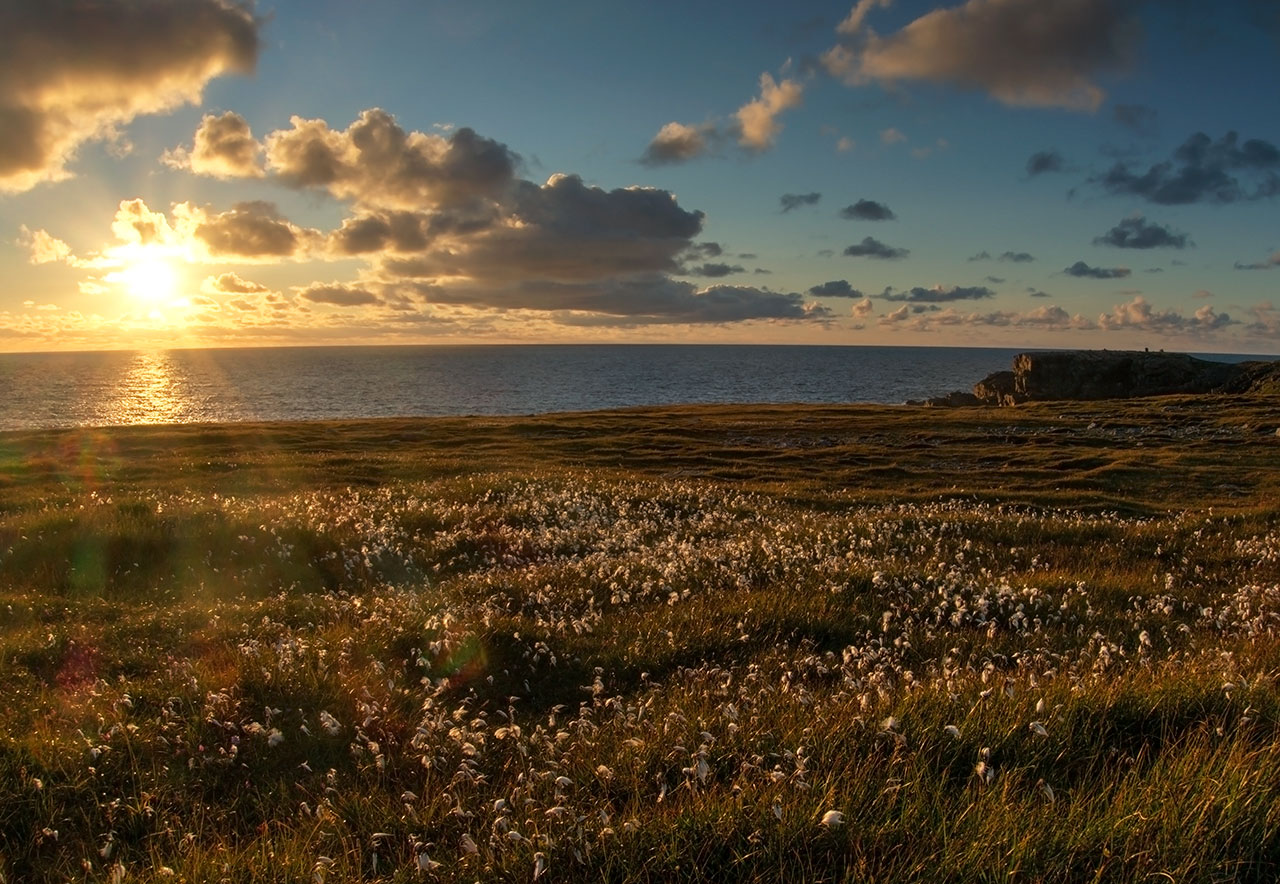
(1110, 374)
(1115, 374)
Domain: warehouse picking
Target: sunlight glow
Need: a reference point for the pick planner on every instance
(150, 278)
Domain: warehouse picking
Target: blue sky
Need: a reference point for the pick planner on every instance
(670, 172)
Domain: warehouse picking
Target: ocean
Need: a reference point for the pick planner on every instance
(42, 390)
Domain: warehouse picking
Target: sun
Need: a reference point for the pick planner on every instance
(151, 279)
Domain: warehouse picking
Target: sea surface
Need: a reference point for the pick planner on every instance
(313, 383)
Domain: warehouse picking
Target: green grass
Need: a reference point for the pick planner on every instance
(1023, 644)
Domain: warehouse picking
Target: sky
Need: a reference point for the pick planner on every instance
(1012, 173)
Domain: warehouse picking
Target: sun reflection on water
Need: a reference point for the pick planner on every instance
(153, 390)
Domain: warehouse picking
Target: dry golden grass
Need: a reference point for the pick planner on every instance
(712, 643)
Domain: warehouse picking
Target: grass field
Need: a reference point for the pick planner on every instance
(693, 644)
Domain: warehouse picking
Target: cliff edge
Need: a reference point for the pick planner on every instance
(1113, 374)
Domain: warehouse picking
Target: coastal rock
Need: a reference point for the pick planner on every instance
(1114, 374)
(999, 388)
(951, 400)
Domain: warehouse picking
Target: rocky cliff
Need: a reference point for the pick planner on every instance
(1114, 374)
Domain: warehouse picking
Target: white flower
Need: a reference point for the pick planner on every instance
(468, 845)
(1038, 729)
(426, 863)
(833, 819)
(952, 731)
(539, 865)
(330, 724)
(275, 738)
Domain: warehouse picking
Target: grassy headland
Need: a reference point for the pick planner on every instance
(713, 643)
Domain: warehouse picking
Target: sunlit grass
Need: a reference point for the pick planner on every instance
(234, 654)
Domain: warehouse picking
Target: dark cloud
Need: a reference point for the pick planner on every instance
(392, 231)
(405, 231)
(713, 270)
(1036, 293)
(708, 250)
(338, 294)
(1202, 170)
(645, 299)
(996, 280)
(791, 201)
(678, 143)
(1272, 262)
(1138, 117)
(250, 230)
(72, 71)
(836, 288)
(870, 247)
(377, 164)
(1138, 233)
(867, 210)
(1028, 53)
(1084, 271)
(567, 206)
(1006, 257)
(1043, 161)
(224, 147)
(938, 294)
(564, 231)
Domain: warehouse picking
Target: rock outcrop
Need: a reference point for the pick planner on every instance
(1114, 374)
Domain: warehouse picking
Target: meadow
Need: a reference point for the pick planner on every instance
(785, 643)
